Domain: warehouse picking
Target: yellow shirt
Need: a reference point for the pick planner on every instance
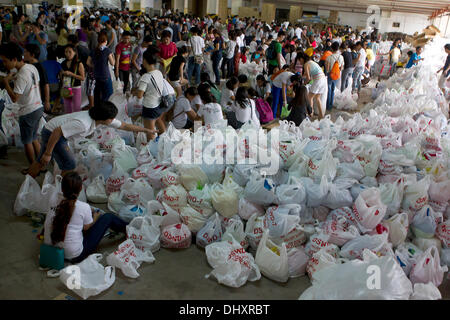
(370, 54)
(62, 38)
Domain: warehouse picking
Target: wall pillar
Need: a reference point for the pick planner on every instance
(235, 5)
(268, 12)
(295, 13)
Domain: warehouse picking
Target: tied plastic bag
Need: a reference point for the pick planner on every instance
(192, 218)
(392, 196)
(191, 176)
(247, 209)
(154, 175)
(425, 292)
(352, 282)
(443, 233)
(145, 232)
(320, 260)
(416, 195)
(428, 268)
(177, 236)
(235, 231)
(297, 260)
(96, 191)
(169, 178)
(141, 141)
(138, 191)
(232, 266)
(128, 258)
(291, 193)
(338, 196)
(352, 170)
(370, 156)
(170, 216)
(260, 190)
(424, 223)
(116, 179)
(424, 244)
(254, 230)
(368, 210)
(145, 156)
(125, 157)
(224, 200)
(281, 220)
(398, 228)
(339, 231)
(353, 249)
(200, 200)
(241, 173)
(94, 278)
(324, 167)
(116, 202)
(406, 255)
(174, 195)
(211, 231)
(142, 171)
(272, 259)
(129, 212)
(320, 241)
(315, 193)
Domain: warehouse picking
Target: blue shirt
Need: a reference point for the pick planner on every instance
(52, 68)
(103, 19)
(411, 63)
(43, 47)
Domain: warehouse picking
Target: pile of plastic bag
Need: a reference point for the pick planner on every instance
(370, 191)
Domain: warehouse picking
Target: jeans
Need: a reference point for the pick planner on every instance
(61, 152)
(346, 75)
(215, 62)
(94, 235)
(357, 73)
(277, 99)
(193, 68)
(229, 64)
(330, 98)
(125, 77)
(103, 90)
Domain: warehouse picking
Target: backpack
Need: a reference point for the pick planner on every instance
(271, 52)
(335, 72)
(264, 110)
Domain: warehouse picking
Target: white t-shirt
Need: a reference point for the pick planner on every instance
(246, 114)
(283, 77)
(231, 46)
(152, 95)
(362, 60)
(259, 34)
(197, 43)
(226, 97)
(298, 32)
(73, 242)
(290, 57)
(179, 112)
(265, 47)
(78, 124)
(240, 41)
(253, 46)
(211, 112)
(333, 58)
(26, 83)
(196, 101)
(395, 56)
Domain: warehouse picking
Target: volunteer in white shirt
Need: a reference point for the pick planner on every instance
(359, 63)
(244, 109)
(26, 94)
(75, 125)
(329, 64)
(183, 115)
(197, 46)
(210, 111)
(279, 85)
(76, 227)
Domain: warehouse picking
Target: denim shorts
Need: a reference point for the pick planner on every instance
(61, 153)
(152, 113)
(29, 125)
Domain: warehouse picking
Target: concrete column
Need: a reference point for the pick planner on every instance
(235, 5)
(295, 13)
(212, 7)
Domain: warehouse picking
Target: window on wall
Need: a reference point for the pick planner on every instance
(396, 25)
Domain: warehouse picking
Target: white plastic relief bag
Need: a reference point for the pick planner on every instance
(96, 191)
(200, 200)
(138, 191)
(125, 157)
(169, 178)
(353, 249)
(224, 200)
(177, 236)
(443, 233)
(247, 209)
(154, 175)
(144, 155)
(236, 231)
(260, 190)
(324, 167)
(320, 260)
(339, 231)
(191, 176)
(424, 223)
(254, 229)
(426, 291)
(280, 221)
(297, 260)
(428, 268)
(174, 195)
(272, 259)
(144, 232)
(128, 258)
(192, 218)
(211, 232)
(320, 241)
(170, 216)
(398, 228)
(291, 193)
(315, 193)
(116, 201)
(94, 277)
(116, 179)
(392, 195)
(129, 212)
(232, 266)
(416, 195)
(28, 197)
(368, 210)
(142, 170)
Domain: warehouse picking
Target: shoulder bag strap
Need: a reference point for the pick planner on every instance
(179, 113)
(155, 84)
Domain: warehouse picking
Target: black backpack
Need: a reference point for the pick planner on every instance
(271, 52)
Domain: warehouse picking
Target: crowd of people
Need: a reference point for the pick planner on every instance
(49, 66)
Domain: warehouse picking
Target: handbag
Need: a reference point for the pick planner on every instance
(168, 100)
(51, 257)
(198, 59)
(66, 92)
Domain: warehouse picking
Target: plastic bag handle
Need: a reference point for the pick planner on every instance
(98, 256)
(53, 273)
(108, 272)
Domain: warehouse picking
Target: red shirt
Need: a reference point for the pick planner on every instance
(125, 55)
(243, 58)
(167, 51)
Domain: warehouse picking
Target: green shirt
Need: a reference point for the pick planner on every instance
(274, 62)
